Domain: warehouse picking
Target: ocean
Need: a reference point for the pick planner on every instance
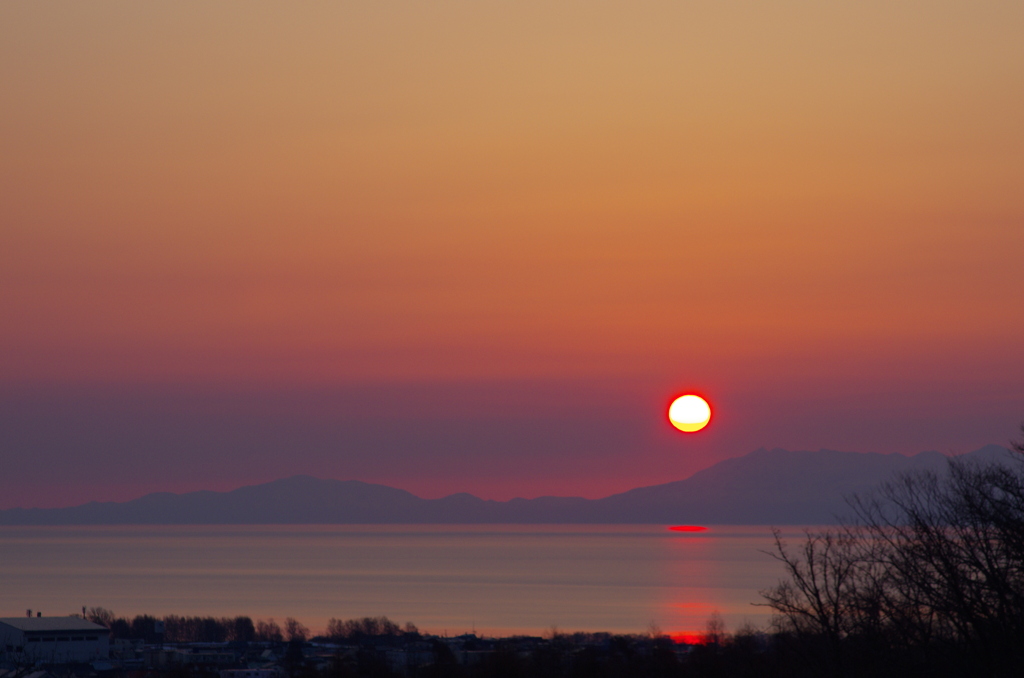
(446, 579)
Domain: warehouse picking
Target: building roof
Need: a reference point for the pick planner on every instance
(51, 624)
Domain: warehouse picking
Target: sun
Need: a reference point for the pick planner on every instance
(689, 413)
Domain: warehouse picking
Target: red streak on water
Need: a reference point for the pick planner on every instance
(688, 528)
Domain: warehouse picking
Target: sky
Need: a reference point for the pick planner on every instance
(460, 246)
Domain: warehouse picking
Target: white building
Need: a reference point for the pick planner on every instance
(53, 640)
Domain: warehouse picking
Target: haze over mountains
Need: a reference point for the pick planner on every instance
(763, 487)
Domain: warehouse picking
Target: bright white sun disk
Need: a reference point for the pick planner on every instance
(689, 413)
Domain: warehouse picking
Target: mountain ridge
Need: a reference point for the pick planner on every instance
(763, 487)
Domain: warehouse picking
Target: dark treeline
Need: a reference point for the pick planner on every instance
(367, 627)
(179, 629)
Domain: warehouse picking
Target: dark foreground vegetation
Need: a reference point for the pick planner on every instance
(927, 580)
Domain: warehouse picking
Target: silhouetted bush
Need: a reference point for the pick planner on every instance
(928, 580)
(268, 631)
(364, 627)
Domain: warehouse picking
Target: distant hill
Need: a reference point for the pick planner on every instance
(763, 487)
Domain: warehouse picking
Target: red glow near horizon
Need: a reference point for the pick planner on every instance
(688, 638)
(687, 528)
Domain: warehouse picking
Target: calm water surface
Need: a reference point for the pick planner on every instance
(494, 579)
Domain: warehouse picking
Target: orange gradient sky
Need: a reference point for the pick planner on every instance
(343, 220)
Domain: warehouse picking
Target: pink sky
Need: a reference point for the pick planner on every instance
(455, 247)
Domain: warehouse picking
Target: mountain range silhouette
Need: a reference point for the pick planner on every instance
(764, 487)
